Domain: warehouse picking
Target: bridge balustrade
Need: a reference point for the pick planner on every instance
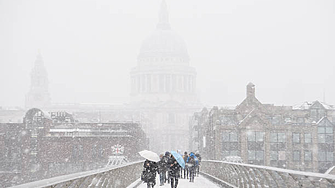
(111, 177)
(227, 174)
(245, 175)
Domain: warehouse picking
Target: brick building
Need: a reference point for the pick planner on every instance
(46, 145)
(293, 137)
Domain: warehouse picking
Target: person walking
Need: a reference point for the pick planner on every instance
(197, 170)
(185, 156)
(162, 164)
(174, 170)
(192, 162)
(149, 173)
(166, 159)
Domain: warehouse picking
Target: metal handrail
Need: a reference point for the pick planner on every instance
(228, 174)
(248, 175)
(104, 177)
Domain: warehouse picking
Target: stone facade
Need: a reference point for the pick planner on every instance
(293, 137)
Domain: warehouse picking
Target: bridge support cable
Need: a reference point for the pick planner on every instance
(247, 174)
(261, 178)
(280, 179)
(234, 175)
(253, 177)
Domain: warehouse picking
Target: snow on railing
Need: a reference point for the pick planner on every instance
(246, 175)
(119, 176)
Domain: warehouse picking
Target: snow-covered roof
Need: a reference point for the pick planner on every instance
(306, 105)
(85, 130)
(46, 114)
(327, 106)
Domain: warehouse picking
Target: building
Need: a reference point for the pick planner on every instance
(163, 87)
(38, 95)
(53, 144)
(163, 91)
(294, 137)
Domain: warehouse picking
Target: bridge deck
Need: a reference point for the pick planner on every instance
(199, 181)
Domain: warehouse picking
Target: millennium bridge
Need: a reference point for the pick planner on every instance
(212, 174)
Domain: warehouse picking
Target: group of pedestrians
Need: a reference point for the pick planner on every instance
(192, 166)
(170, 170)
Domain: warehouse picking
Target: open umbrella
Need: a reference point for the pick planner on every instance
(151, 156)
(178, 158)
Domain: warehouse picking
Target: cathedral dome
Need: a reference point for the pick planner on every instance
(163, 43)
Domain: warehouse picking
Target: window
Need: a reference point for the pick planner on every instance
(233, 137)
(251, 155)
(325, 132)
(251, 137)
(256, 155)
(230, 146)
(278, 150)
(321, 138)
(259, 155)
(274, 156)
(256, 147)
(330, 156)
(321, 113)
(276, 120)
(322, 156)
(256, 136)
(313, 113)
(326, 156)
(229, 137)
(308, 138)
(296, 138)
(296, 155)
(308, 155)
(259, 136)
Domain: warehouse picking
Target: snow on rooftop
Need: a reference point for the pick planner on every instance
(306, 105)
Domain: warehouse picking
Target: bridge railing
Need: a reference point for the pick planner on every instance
(246, 175)
(120, 176)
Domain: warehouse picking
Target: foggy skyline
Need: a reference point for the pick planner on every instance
(286, 48)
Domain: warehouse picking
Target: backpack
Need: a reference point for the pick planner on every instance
(192, 161)
(145, 176)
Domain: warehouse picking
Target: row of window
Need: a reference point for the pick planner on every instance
(324, 136)
(258, 155)
(278, 148)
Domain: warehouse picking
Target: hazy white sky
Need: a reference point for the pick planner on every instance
(285, 47)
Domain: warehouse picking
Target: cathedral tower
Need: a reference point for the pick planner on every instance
(38, 95)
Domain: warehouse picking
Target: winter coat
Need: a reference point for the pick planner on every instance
(149, 169)
(192, 160)
(199, 157)
(174, 168)
(185, 157)
(163, 163)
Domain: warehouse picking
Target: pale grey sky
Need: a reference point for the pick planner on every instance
(285, 47)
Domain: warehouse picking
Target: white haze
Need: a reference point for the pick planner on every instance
(286, 48)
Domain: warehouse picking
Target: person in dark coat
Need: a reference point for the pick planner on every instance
(162, 169)
(185, 156)
(150, 170)
(192, 162)
(174, 170)
(166, 159)
(197, 170)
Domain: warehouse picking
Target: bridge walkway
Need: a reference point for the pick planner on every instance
(199, 182)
